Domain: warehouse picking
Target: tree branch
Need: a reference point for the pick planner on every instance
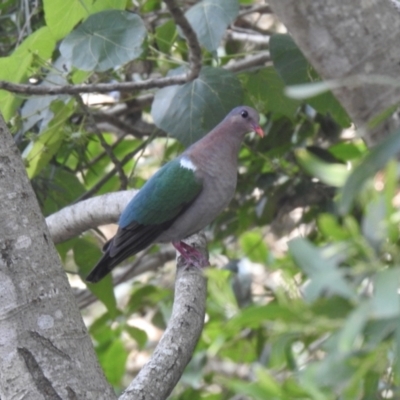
(194, 70)
(71, 221)
(159, 376)
(249, 62)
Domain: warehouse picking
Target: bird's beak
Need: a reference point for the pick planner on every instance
(258, 130)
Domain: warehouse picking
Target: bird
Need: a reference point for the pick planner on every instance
(183, 196)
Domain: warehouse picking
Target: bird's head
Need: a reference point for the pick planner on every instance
(245, 119)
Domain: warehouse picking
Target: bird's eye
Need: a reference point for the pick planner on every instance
(244, 114)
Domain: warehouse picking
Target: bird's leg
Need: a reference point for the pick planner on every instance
(191, 255)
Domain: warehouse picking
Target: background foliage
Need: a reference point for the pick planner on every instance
(307, 305)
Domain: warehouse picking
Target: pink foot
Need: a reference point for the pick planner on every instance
(191, 255)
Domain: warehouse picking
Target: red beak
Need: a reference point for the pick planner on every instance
(258, 130)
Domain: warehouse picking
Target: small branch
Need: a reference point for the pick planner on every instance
(191, 38)
(247, 37)
(27, 89)
(106, 177)
(96, 87)
(107, 148)
(159, 376)
(249, 62)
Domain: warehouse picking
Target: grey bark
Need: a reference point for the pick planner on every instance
(45, 350)
(344, 38)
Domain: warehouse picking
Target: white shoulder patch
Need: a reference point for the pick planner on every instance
(186, 163)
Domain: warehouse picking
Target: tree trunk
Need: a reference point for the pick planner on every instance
(45, 350)
(344, 38)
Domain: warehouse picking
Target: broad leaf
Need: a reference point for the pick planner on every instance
(187, 112)
(86, 254)
(41, 150)
(16, 68)
(209, 20)
(324, 274)
(372, 163)
(105, 40)
(61, 16)
(265, 90)
(294, 69)
(333, 174)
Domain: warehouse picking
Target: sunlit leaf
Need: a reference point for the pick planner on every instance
(61, 16)
(333, 174)
(49, 141)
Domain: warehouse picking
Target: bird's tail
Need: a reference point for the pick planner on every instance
(102, 268)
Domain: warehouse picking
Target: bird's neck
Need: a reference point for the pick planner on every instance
(220, 143)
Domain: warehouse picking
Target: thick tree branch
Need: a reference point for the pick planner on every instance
(159, 376)
(87, 214)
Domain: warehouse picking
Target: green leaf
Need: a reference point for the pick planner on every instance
(138, 335)
(294, 69)
(16, 68)
(210, 19)
(86, 254)
(187, 112)
(40, 152)
(61, 16)
(329, 226)
(289, 61)
(265, 89)
(113, 361)
(372, 163)
(65, 188)
(105, 40)
(254, 247)
(385, 302)
(333, 174)
(325, 277)
(165, 36)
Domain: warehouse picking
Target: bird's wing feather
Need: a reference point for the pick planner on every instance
(157, 205)
(153, 210)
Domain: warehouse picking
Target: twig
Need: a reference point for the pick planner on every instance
(247, 37)
(107, 148)
(249, 62)
(191, 38)
(27, 89)
(110, 174)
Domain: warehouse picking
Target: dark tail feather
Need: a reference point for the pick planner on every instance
(102, 268)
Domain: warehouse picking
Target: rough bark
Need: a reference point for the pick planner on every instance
(344, 38)
(45, 351)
